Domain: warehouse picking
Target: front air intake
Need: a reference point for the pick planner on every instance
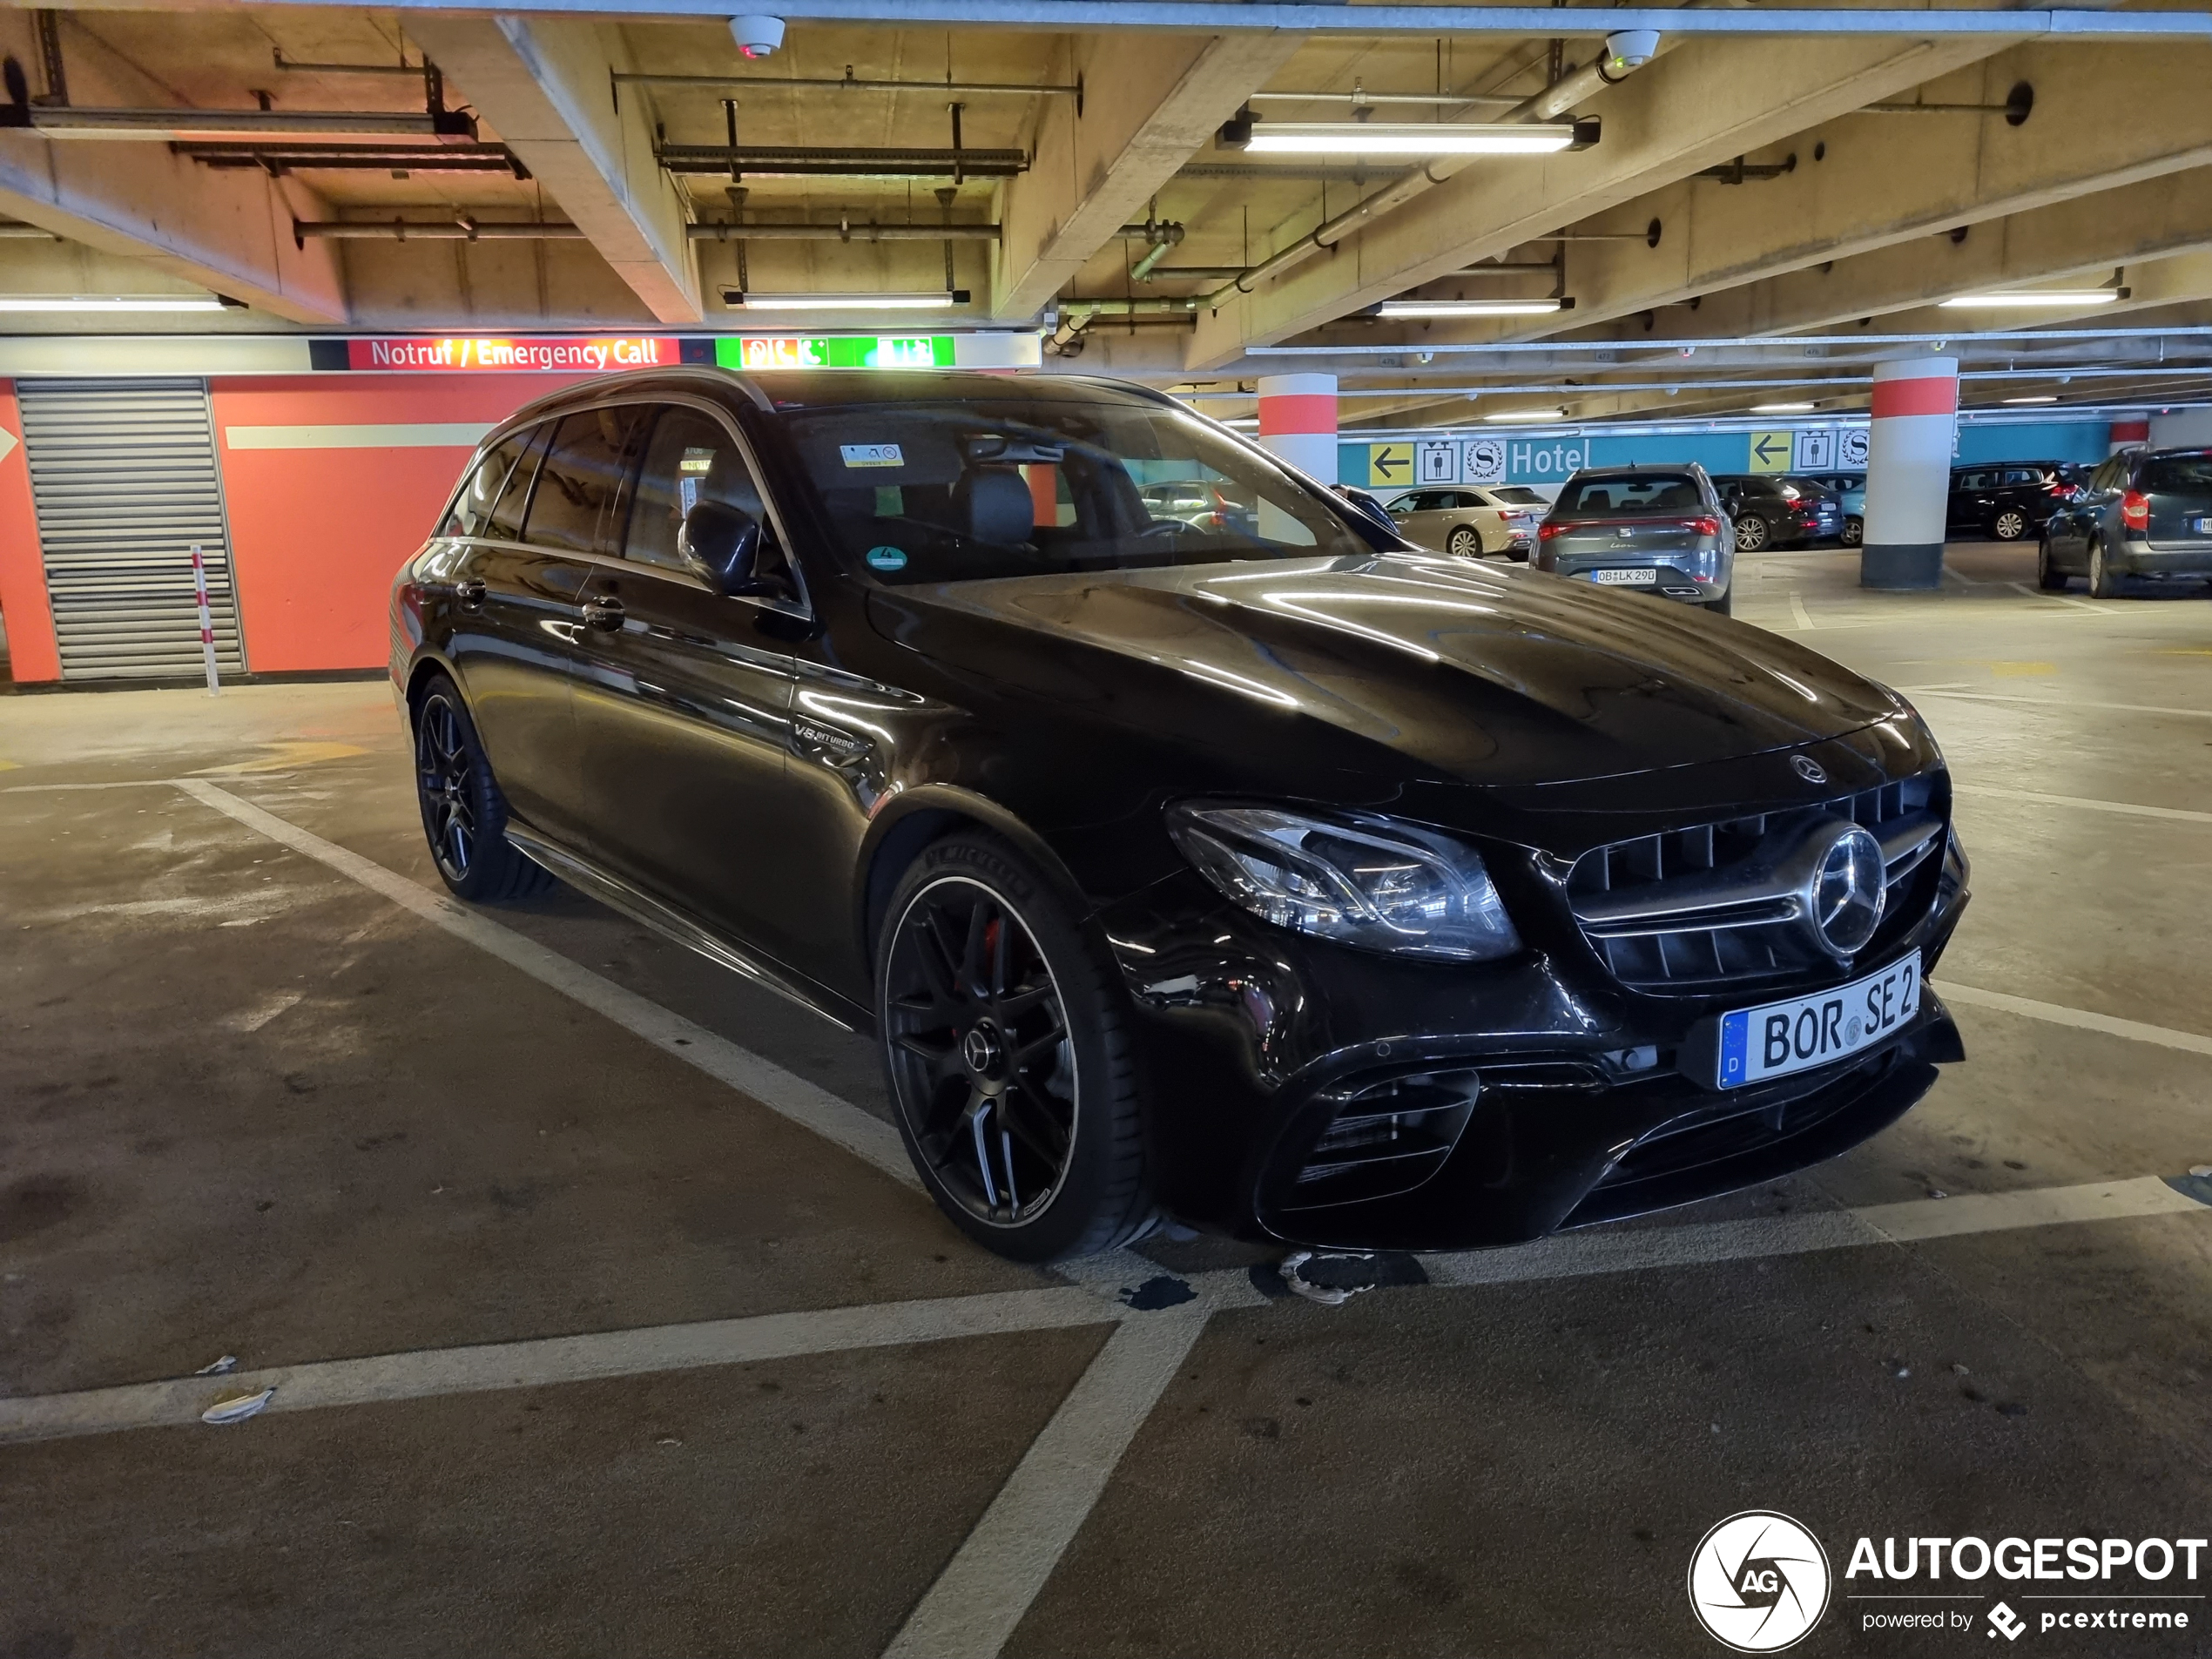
(1386, 1137)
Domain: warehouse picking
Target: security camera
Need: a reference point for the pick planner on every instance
(757, 35)
(1627, 48)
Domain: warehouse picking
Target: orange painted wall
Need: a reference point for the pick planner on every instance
(316, 534)
(33, 655)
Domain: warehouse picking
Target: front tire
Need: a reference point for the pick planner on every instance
(2009, 525)
(464, 816)
(1752, 533)
(2048, 576)
(1006, 1051)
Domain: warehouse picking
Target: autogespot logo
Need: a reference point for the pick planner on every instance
(1758, 1582)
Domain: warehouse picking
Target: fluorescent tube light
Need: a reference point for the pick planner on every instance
(1418, 138)
(1527, 414)
(738, 299)
(1781, 409)
(111, 302)
(2023, 299)
(2047, 397)
(1471, 307)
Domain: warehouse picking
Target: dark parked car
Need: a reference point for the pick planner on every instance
(2144, 513)
(1649, 530)
(1291, 882)
(1773, 512)
(1850, 490)
(2009, 500)
(1368, 502)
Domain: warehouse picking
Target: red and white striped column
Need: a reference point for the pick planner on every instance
(1297, 422)
(2129, 432)
(1908, 472)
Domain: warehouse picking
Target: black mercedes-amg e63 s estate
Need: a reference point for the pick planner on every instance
(1272, 875)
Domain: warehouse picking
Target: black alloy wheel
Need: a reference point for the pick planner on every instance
(2048, 576)
(2009, 524)
(1853, 533)
(1465, 544)
(1005, 1050)
(1750, 533)
(464, 816)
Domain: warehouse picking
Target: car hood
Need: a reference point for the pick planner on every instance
(1477, 674)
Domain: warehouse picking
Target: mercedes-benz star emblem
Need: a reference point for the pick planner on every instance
(1809, 769)
(1848, 890)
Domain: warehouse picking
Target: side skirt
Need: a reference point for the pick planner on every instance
(642, 909)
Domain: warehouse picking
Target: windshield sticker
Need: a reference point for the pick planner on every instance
(871, 455)
(887, 559)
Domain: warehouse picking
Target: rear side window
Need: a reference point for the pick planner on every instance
(1659, 492)
(2108, 476)
(1517, 495)
(582, 474)
(471, 513)
(2176, 475)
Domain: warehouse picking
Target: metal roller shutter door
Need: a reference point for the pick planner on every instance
(123, 473)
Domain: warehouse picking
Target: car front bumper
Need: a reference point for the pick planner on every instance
(1555, 1093)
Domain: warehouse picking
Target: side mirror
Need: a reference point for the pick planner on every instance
(722, 543)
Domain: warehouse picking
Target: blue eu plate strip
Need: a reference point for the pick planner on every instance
(1735, 1035)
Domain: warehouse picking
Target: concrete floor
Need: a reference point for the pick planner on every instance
(254, 1108)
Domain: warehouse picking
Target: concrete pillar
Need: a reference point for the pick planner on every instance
(1298, 422)
(1908, 472)
(2128, 431)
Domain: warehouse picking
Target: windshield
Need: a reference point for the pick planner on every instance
(1634, 497)
(1030, 485)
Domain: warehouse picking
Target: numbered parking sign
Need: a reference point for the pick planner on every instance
(1437, 463)
(1485, 461)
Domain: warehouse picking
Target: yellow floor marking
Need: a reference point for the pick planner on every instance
(288, 755)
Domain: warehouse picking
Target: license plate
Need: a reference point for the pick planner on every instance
(1782, 1037)
(2201, 526)
(1646, 577)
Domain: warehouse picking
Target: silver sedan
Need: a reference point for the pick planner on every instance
(1470, 521)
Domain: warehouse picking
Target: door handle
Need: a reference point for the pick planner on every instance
(605, 615)
(468, 593)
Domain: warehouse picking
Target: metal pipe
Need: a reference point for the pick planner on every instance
(1232, 16)
(847, 232)
(1129, 307)
(270, 156)
(1797, 342)
(626, 77)
(874, 164)
(414, 72)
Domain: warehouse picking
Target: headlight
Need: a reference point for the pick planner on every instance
(1367, 881)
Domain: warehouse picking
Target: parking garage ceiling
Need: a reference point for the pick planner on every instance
(1749, 207)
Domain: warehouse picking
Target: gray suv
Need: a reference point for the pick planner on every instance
(1650, 530)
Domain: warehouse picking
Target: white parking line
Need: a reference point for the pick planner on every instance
(548, 1360)
(2062, 598)
(1797, 610)
(780, 1091)
(2080, 1019)
(2051, 702)
(1573, 1255)
(999, 1569)
(1137, 1365)
(2126, 808)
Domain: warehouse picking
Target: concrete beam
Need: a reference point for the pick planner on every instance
(1696, 107)
(180, 222)
(1887, 180)
(1149, 103)
(2087, 237)
(542, 86)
